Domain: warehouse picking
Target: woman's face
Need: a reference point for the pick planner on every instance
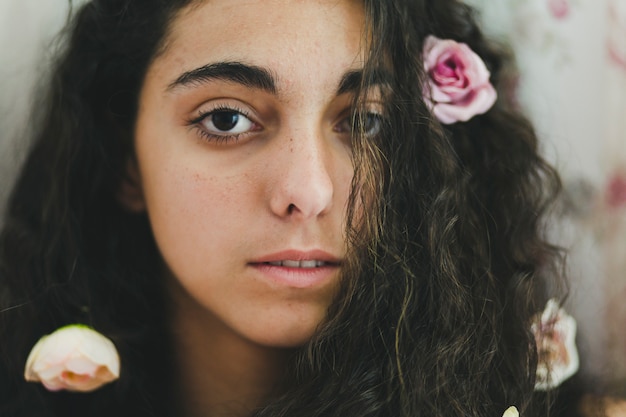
(244, 158)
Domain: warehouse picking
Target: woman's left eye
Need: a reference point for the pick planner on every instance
(368, 123)
(224, 124)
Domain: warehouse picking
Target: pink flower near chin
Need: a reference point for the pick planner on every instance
(555, 335)
(73, 358)
(458, 86)
(559, 8)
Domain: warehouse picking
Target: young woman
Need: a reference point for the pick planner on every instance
(280, 208)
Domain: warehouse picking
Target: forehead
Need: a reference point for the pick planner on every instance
(296, 39)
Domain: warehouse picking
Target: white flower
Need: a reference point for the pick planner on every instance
(511, 412)
(555, 334)
(73, 358)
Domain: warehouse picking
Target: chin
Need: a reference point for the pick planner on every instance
(288, 336)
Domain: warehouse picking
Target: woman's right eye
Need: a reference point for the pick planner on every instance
(224, 124)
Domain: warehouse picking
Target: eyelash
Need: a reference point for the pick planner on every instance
(196, 123)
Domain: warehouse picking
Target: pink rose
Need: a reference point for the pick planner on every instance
(458, 87)
(73, 358)
(555, 334)
(559, 8)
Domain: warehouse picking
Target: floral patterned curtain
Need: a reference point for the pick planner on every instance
(572, 60)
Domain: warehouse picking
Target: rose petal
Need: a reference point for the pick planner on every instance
(511, 412)
(81, 365)
(479, 102)
(54, 384)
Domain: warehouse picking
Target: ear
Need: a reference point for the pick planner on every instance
(130, 193)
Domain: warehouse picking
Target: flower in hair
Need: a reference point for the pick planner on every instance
(458, 86)
(73, 358)
(511, 412)
(555, 334)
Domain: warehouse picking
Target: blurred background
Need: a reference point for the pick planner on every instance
(27, 32)
(572, 83)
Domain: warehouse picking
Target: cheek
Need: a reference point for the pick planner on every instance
(194, 214)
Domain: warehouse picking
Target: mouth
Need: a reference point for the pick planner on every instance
(304, 264)
(298, 269)
(299, 259)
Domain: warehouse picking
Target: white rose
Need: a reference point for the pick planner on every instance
(511, 412)
(555, 335)
(73, 358)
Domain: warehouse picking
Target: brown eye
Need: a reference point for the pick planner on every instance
(226, 122)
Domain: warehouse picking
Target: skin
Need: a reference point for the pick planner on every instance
(219, 206)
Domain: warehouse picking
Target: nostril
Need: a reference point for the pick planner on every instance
(291, 208)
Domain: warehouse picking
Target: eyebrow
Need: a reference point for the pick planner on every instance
(350, 82)
(235, 72)
(262, 79)
(353, 80)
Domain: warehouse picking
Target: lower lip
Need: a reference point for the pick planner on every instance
(297, 277)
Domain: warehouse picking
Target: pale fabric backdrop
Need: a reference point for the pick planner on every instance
(572, 60)
(572, 57)
(27, 28)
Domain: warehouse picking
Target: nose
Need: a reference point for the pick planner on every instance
(303, 186)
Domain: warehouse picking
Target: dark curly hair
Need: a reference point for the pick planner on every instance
(446, 267)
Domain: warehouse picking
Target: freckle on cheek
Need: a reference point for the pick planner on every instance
(197, 178)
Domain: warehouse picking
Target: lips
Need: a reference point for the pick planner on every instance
(298, 269)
